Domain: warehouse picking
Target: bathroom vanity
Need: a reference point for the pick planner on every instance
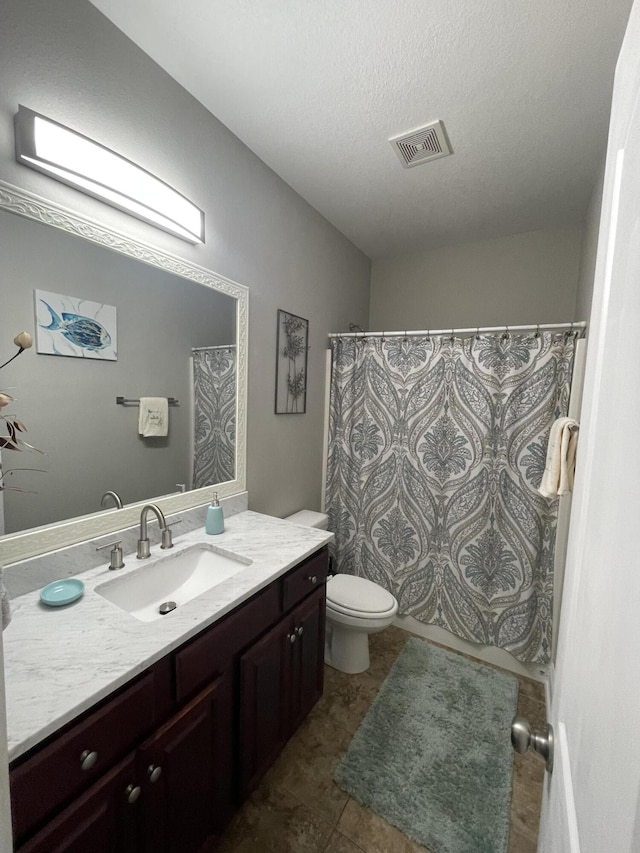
(177, 741)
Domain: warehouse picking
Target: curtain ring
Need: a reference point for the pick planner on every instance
(383, 334)
(428, 334)
(404, 340)
(477, 333)
(451, 339)
(505, 335)
(537, 334)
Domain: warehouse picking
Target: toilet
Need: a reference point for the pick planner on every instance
(356, 607)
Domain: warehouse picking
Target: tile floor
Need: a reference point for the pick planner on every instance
(298, 808)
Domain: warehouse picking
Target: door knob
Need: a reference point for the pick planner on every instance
(522, 739)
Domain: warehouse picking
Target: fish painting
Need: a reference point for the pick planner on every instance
(81, 331)
(75, 326)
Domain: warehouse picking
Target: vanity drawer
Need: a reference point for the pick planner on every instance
(305, 578)
(54, 774)
(206, 657)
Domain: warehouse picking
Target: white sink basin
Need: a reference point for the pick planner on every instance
(171, 578)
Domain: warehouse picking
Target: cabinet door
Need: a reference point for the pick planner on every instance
(102, 820)
(265, 691)
(186, 770)
(308, 657)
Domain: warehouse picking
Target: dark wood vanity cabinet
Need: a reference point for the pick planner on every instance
(101, 820)
(185, 770)
(179, 748)
(281, 679)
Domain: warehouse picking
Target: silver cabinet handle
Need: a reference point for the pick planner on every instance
(522, 739)
(292, 637)
(300, 631)
(312, 579)
(132, 792)
(154, 772)
(87, 759)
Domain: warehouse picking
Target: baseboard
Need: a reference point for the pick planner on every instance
(488, 654)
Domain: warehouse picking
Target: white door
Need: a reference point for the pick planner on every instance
(592, 799)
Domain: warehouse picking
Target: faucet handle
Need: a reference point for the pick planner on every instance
(166, 539)
(116, 555)
(167, 535)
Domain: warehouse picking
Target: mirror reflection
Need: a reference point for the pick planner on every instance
(175, 339)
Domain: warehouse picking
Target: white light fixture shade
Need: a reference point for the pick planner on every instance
(78, 161)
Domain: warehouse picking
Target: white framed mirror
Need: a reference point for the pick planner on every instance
(167, 308)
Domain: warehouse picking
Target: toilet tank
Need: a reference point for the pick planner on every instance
(308, 518)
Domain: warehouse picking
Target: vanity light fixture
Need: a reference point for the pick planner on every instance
(88, 166)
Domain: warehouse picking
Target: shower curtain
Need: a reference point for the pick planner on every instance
(437, 446)
(214, 403)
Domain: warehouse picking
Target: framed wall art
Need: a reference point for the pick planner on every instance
(69, 325)
(291, 364)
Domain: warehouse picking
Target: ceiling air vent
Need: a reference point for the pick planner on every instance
(418, 146)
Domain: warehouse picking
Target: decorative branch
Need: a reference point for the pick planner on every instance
(13, 439)
(23, 341)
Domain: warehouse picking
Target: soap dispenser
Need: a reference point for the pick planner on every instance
(215, 518)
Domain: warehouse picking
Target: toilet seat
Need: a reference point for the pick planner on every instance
(359, 597)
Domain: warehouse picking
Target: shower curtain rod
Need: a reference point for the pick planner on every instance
(477, 330)
(206, 349)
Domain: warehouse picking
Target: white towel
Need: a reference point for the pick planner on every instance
(561, 458)
(153, 419)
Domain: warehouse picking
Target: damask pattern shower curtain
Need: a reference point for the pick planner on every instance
(437, 446)
(214, 402)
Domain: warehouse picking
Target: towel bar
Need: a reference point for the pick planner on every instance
(122, 401)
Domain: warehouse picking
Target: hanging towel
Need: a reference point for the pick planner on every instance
(561, 458)
(153, 419)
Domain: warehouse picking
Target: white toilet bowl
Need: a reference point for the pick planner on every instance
(356, 607)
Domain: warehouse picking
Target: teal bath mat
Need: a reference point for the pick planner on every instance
(433, 755)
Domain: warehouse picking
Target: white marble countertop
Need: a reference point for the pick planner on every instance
(59, 661)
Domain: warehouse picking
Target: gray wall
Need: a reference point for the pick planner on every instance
(525, 278)
(66, 60)
(590, 231)
(68, 404)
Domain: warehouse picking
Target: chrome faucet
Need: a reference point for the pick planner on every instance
(144, 549)
(117, 500)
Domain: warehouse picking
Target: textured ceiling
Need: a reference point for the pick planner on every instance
(316, 89)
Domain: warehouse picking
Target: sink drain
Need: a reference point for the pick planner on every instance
(167, 607)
